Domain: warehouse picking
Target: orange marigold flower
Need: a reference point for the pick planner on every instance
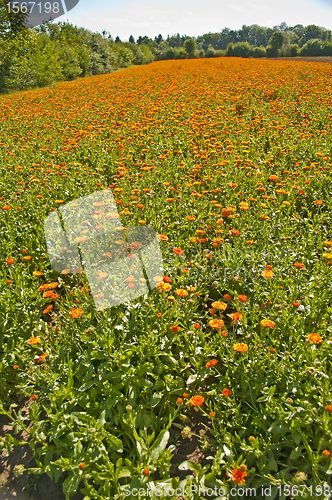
(224, 333)
(191, 218)
(328, 408)
(47, 294)
(211, 363)
(34, 340)
(178, 251)
(269, 266)
(15, 367)
(167, 279)
(185, 395)
(216, 323)
(299, 265)
(296, 304)
(179, 401)
(163, 237)
(236, 316)
(75, 313)
(212, 414)
(243, 298)
(146, 472)
(196, 401)
(267, 274)
(221, 306)
(235, 232)
(327, 255)
(268, 323)
(10, 261)
(318, 202)
(227, 297)
(175, 328)
(197, 326)
(327, 453)
(315, 338)
(181, 292)
(226, 393)
(158, 315)
(34, 397)
(239, 475)
(240, 347)
(37, 273)
(274, 178)
(82, 466)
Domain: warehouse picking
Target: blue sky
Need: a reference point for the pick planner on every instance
(193, 17)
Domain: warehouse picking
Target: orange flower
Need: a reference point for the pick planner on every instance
(268, 323)
(299, 265)
(163, 237)
(158, 315)
(181, 292)
(235, 232)
(197, 326)
(315, 338)
(216, 323)
(221, 306)
(167, 279)
(196, 401)
(82, 466)
(212, 414)
(75, 313)
(178, 251)
(175, 328)
(15, 367)
(34, 397)
(211, 363)
(328, 408)
(240, 347)
(327, 453)
(191, 218)
(179, 401)
(296, 304)
(226, 393)
(146, 472)
(227, 297)
(236, 316)
(267, 274)
(34, 340)
(274, 178)
(10, 261)
(185, 395)
(239, 475)
(47, 294)
(6, 207)
(243, 298)
(37, 273)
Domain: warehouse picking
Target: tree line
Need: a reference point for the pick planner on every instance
(53, 52)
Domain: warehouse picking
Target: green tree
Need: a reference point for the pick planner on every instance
(275, 43)
(190, 47)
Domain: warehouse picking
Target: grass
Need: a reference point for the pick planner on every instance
(229, 161)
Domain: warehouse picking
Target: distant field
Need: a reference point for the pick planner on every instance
(219, 376)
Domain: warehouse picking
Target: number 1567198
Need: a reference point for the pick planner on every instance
(24, 7)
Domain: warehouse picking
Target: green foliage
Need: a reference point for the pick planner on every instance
(190, 47)
(275, 43)
(210, 51)
(259, 52)
(312, 48)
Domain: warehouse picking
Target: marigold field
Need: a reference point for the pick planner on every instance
(229, 161)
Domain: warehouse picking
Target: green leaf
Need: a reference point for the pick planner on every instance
(160, 445)
(155, 399)
(187, 465)
(70, 485)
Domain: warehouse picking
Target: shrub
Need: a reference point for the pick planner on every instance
(210, 52)
(312, 48)
(259, 52)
